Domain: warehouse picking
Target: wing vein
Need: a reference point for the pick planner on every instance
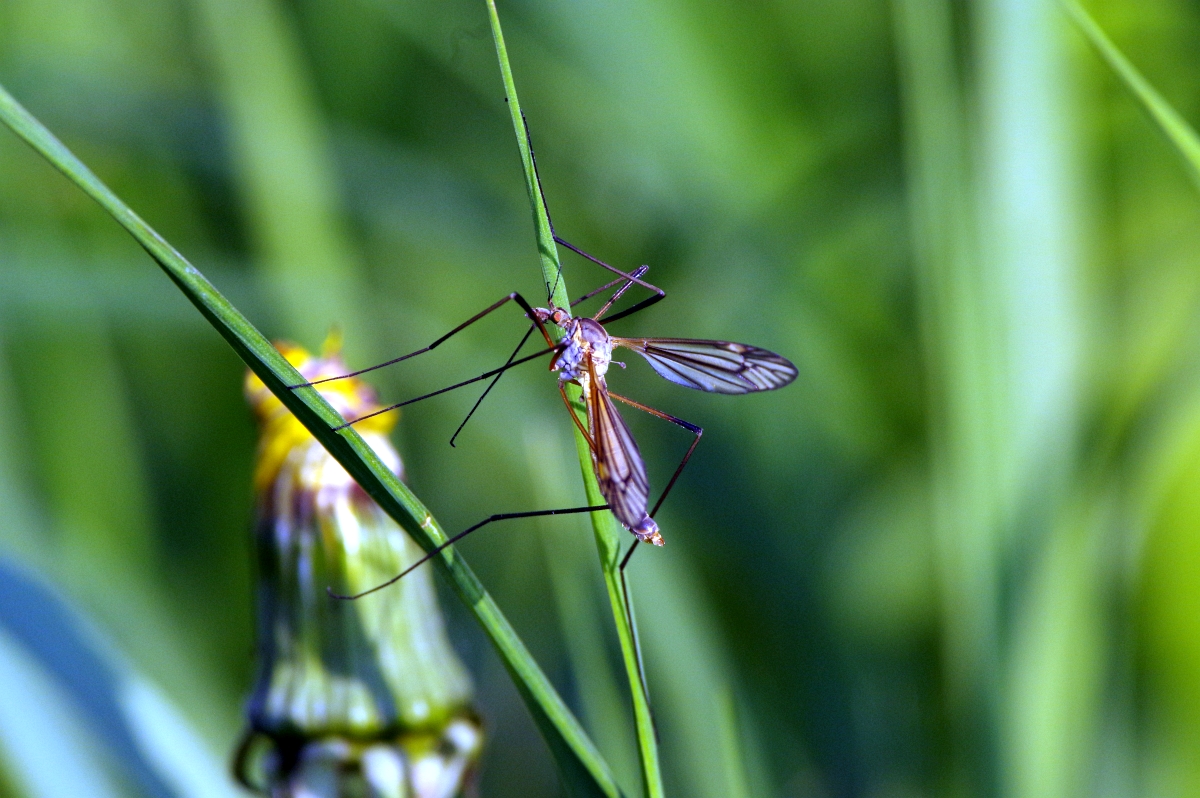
(714, 366)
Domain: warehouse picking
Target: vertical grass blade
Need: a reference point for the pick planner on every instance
(958, 327)
(284, 175)
(1176, 128)
(551, 267)
(736, 781)
(607, 531)
(1053, 648)
(583, 769)
(581, 615)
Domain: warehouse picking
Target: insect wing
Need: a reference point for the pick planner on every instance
(620, 470)
(713, 366)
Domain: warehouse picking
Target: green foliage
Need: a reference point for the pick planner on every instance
(1173, 125)
(958, 556)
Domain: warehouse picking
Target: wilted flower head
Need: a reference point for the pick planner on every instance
(366, 692)
(280, 434)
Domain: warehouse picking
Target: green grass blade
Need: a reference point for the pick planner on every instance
(602, 707)
(607, 531)
(957, 299)
(551, 267)
(737, 782)
(1176, 128)
(583, 769)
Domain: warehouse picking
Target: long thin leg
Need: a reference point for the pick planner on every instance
(570, 410)
(695, 430)
(637, 273)
(460, 536)
(482, 376)
(637, 646)
(492, 384)
(513, 297)
(659, 293)
(640, 306)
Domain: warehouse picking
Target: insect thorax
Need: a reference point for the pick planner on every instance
(584, 339)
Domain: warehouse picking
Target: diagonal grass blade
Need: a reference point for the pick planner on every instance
(583, 769)
(1176, 128)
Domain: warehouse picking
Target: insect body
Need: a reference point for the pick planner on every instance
(585, 344)
(583, 357)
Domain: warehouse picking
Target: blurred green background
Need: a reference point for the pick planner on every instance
(959, 556)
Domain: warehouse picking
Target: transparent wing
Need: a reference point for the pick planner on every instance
(713, 366)
(619, 467)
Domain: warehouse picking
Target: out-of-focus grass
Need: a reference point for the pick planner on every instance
(283, 170)
(762, 161)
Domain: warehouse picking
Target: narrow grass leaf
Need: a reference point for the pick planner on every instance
(1176, 128)
(731, 746)
(583, 769)
(604, 709)
(607, 531)
(963, 361)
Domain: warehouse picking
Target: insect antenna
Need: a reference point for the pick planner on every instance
(537, 176)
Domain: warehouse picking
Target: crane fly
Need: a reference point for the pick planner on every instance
(582, 357)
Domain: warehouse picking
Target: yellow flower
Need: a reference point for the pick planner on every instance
(372, 681)
(280, 432)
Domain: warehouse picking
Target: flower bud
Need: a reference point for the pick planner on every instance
(362, 697)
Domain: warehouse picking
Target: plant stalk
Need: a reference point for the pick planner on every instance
(608, 532)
